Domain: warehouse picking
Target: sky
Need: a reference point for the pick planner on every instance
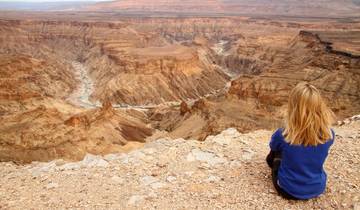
(43, 5)
(46, 0)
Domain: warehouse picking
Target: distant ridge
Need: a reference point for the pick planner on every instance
(326, 8)
(306, 8)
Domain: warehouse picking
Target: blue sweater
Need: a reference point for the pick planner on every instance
(301, 172)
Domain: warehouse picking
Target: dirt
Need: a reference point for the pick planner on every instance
(224, 171)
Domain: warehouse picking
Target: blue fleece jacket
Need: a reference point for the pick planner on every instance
(301, 172)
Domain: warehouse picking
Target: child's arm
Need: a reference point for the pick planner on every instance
(275, 147)
(276, 141)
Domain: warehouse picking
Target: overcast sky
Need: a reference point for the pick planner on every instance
(46, 0)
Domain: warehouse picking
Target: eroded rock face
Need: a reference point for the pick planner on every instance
(184, 108)
(307, 59)
(44, 134)
(140, 61)
(24, 78)
(128, 64)
(258, 100)
(80, 120)
(158, 74)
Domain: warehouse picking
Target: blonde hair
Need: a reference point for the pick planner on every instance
(308, 117)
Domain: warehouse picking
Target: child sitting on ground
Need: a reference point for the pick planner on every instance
(299, 150)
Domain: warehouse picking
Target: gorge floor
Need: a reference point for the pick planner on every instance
(81, 96)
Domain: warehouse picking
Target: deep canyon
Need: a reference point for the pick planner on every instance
(82, 83)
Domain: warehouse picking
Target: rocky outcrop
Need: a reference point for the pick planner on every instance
(349, 120)
(210, 116)
(44, 134)
(307, 59)
(343, 43)
(184, 108)
(227, 169)
(155, 75)
(24, 78)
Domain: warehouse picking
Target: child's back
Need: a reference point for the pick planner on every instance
(301, 173)
(298, 151)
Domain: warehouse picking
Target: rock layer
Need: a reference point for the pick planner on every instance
(307, 59)
(44, 134)
(160, 62)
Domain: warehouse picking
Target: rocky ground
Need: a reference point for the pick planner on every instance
(226, 171)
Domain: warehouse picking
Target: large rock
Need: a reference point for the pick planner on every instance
(208, 157)
(94, 161)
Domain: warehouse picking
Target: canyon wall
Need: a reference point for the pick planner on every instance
(258, 99)
(120, 58)
(308, 59)
(216, 72)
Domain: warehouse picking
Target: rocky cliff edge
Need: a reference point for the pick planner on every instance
(224, 171)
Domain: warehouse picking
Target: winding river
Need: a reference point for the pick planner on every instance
(81, 96)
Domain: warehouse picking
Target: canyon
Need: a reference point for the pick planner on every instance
(169, 104)
(92, 82)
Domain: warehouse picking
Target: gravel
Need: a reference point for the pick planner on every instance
(226, 171)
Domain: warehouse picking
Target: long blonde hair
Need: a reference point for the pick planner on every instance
(308, 117)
